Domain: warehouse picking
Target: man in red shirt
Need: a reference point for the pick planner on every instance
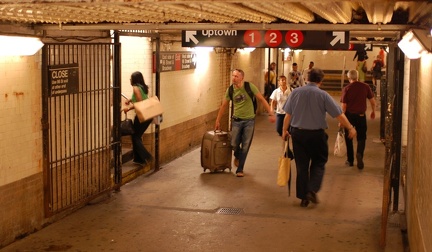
(353, 99)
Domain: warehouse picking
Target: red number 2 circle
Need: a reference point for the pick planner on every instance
(294, 38)
(273, 38)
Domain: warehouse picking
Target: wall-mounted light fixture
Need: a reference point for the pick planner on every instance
(247, 49)
(415, 43)
(19, 46)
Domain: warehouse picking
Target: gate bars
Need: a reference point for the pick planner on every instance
(77, 123)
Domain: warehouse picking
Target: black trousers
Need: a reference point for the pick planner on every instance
(359, 122)
(311, 154)
(141, 154)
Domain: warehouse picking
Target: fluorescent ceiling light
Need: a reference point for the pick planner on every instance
(19, 46)
(248, 49)
(414, 44)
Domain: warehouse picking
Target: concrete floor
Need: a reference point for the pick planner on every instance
(175, 209)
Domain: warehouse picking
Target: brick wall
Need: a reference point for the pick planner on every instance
(22, 209)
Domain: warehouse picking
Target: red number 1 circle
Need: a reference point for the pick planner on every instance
(294, 38)
(252, 38)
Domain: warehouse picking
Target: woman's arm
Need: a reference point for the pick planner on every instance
(138, 97)
(137, 93)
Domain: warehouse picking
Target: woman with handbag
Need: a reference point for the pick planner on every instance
(140, 92)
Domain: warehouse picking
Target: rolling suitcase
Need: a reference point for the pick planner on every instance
(216, 151)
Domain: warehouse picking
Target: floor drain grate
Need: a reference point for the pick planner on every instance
(229, 211)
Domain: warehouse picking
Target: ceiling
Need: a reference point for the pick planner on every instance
(368, 19)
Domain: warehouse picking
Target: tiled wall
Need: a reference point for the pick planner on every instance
(20, 118)
(419, 172)
(21, 184)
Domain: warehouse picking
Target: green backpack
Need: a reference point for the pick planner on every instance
(250, 93)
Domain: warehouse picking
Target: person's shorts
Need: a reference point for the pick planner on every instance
(376, 75)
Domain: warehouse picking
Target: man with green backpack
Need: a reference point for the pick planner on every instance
(242, 94)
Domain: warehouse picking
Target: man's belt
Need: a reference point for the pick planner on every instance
(306, 129)
(237, 119)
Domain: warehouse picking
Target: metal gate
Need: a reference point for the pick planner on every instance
(77, 123)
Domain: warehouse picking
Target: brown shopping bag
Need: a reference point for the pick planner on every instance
(148, 108)
(284, 169)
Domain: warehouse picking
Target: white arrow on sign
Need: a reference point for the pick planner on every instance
(338, 37)
(368, 47)
(190, 36)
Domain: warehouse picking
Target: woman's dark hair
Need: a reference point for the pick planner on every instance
(137, 79)
(316, 75)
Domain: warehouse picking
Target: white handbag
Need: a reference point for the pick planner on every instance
(340, 149)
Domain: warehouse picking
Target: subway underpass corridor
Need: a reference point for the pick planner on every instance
(180, 208)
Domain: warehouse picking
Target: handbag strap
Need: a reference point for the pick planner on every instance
(284, 146)
(126, 115)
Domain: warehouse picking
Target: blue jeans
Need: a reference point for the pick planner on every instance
(241, 140)
(279, 123)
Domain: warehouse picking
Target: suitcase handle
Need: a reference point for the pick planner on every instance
(219, 132)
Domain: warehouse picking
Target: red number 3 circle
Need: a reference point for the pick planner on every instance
(294, 38)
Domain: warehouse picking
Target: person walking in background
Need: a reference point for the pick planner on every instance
(295, 78)
(377, 73)
(277, 101)
(307, 70)
(382, 54)
(243, 119)
(362, 70)
(353, 99)
(361, 56)
(306, 110)
(270, 81)
(140, 92)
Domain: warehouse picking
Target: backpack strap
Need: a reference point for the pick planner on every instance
(251, 95)
(231, 91)
(248, 90)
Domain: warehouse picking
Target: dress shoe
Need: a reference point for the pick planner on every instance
(348, 163)
(360, 163)
(139, 163)
(304, 203)
(236, 162)
(311, 196)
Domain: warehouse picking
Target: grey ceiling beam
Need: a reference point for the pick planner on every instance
(236, 26)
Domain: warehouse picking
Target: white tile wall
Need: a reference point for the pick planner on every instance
(184, 94)
(20, 114)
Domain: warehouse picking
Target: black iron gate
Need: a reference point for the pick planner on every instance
(77, 123)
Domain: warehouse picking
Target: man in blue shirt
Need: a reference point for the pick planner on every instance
(306, 110)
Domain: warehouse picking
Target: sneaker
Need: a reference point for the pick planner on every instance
(360, 163)
(239, 174)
